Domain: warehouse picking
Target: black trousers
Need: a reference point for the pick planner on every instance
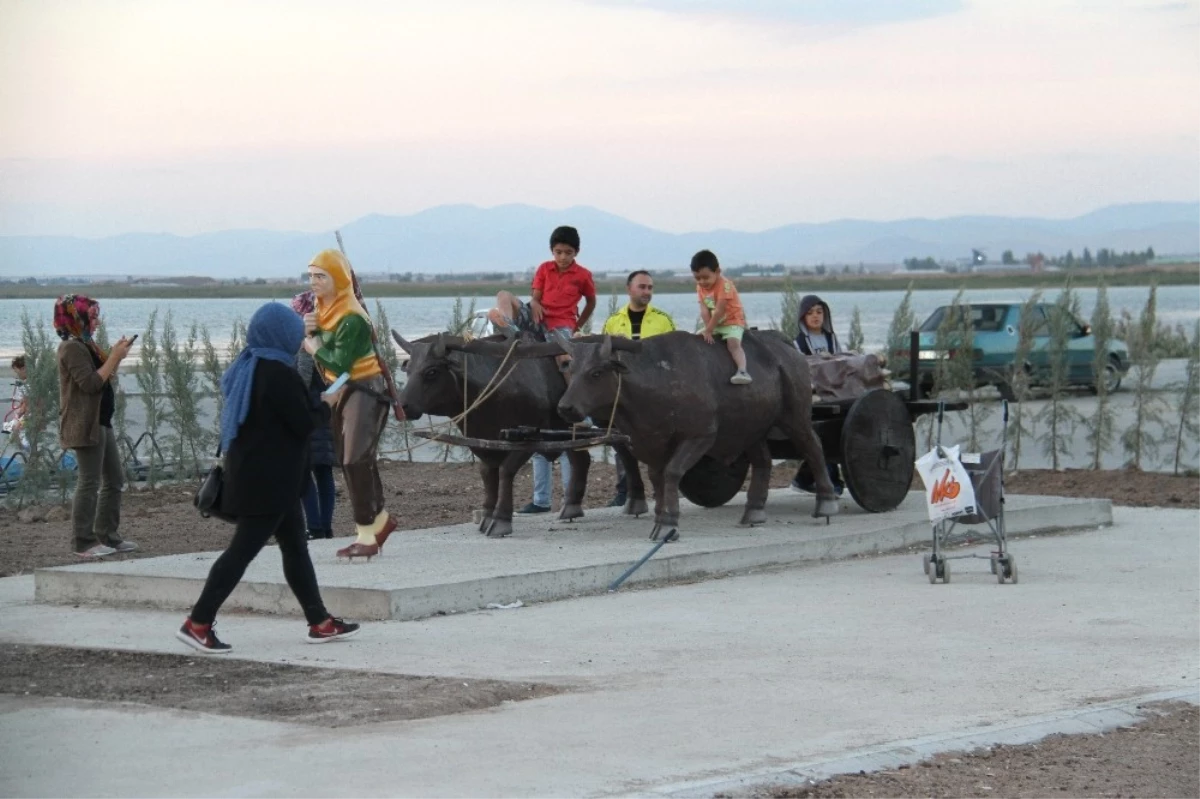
(249, 537)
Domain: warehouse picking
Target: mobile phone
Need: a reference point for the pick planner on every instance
(133, 338)
(342, 380)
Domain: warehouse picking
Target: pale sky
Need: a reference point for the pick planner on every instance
(186, 117)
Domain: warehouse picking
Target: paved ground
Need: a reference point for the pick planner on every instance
(676, 688)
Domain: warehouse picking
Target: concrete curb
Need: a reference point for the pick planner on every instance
(1094, 719)
(131, 584)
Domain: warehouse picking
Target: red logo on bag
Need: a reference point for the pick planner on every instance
(946, 488)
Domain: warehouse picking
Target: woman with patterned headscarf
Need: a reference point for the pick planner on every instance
(340, 341)
(86, 404)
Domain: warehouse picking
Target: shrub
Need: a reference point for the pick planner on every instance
(1189, 402)
(1140, 440)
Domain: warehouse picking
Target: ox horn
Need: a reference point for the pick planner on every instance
(520, 349)
(439, 347)
(404, 345)
(606, 348)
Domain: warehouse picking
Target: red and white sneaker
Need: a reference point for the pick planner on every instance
(331, 630)
(202, 638)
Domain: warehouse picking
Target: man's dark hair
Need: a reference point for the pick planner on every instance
(635, 273)
(705, 260)
(18, 362)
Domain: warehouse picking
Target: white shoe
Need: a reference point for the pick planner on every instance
(741, 379)
(96, 552)
(126, 546)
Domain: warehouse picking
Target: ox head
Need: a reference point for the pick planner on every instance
(595, 365)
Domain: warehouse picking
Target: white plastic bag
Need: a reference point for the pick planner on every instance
(948, 489)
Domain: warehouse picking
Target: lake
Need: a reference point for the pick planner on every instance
(417, 316)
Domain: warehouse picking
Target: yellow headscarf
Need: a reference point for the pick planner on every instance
(334, 264)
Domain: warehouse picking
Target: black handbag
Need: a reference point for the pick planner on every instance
(208, 497)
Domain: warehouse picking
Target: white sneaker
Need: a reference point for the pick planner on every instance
(126, 546)
(741, 379)
(96, 552)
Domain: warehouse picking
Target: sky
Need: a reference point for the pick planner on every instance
(183, 117)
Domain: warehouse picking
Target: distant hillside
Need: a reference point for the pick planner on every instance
(465, 238)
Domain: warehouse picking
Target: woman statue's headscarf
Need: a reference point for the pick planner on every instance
(275, 333)
(334, 264)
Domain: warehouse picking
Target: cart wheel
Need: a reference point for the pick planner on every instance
(711, 484)
(1011, 568)
(932, 571)
(945, 571)
(998, 569)
(925, 563)
(878, 450)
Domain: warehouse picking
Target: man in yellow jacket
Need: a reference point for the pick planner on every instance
(638, 319)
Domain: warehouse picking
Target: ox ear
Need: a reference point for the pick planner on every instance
(404, 345)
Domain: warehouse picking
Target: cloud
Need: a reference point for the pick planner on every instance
(840, 13)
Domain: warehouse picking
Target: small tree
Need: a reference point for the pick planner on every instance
(461, 317)
(899, 333)
(1189, 402)
(150, 381)
(1140, 440)
(1019, 379)
(1101, 425)
(41, 365)
(188, 440)
(1060, 418)
(855, 342)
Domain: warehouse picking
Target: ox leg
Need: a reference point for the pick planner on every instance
(489, 469)
(501, 523)
(581, 462)
(760, 483)
(685, 456)
(635, 489)
(809, 446)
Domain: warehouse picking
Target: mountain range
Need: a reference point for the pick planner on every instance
(511, 238)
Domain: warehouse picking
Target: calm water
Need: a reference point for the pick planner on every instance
(418, 316)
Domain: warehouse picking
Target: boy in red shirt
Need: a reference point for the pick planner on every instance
(721, 310)
(558, 285)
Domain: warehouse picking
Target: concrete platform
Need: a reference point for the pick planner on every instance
(454, 569)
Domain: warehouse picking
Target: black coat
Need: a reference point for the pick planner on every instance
(266, 467)
(321, 441)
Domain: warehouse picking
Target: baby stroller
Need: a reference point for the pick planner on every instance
(987, 479)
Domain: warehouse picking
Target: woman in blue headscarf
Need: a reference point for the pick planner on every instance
(265, 427)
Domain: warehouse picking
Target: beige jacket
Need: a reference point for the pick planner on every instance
(80, 388)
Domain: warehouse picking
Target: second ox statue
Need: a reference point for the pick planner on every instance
(526, 392)
(671, 395)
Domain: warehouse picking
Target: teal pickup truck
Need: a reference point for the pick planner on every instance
(995, 326)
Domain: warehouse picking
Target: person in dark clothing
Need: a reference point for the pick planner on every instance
(265, 427)
(319, 493)
(816, 337)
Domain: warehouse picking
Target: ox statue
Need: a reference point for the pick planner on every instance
(525, 393)
(671, 395)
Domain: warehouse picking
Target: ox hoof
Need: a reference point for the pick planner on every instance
(826, 507)
(486, 524)
(573, 511)
(636, 507)
(499, 528)
(753, 517)
(665, 532)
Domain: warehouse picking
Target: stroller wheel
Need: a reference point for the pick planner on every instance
(925, 563)
(1011, 568)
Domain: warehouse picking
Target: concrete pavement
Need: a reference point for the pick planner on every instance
(684, 685)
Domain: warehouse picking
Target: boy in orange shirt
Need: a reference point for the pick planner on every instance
(721, 310)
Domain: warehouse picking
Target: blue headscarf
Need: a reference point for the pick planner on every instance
(275, 333)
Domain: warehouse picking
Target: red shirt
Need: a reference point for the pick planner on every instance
(561, 292)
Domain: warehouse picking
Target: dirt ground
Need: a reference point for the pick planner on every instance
(276, 691)
(1159, 757)
(1156, 758)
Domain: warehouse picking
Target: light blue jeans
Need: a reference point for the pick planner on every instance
(542, 471)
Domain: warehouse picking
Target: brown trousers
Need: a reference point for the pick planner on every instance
(96, 510)
(358, 420)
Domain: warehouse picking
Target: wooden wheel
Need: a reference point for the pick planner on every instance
(878, 450)
(710, 484)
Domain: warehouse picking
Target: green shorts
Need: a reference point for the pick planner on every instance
(729, 331)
